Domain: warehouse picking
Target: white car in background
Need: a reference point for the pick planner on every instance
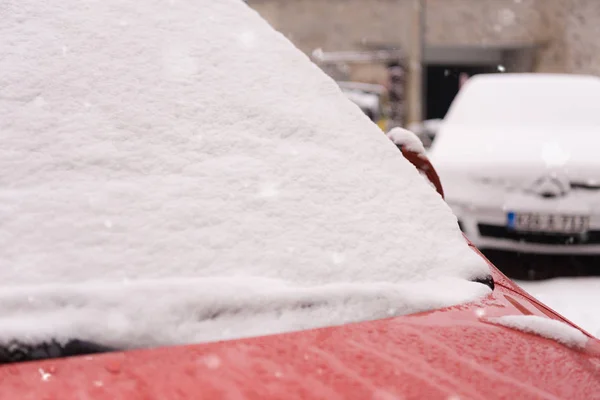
(519, 155)
(365, 95)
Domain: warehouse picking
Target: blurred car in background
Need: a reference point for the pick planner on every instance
(363, 95)
(518, 155)
(370, 98)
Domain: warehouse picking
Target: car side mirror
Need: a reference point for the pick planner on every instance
(412, 149)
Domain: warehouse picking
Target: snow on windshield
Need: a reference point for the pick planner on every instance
(180, 172)
(527, 100)
(512, 120)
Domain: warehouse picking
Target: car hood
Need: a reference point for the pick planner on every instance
(535, 148)
(453, 353)
(486, 163)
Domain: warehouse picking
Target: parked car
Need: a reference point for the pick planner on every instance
(368, 102)
(191, 209)
(370, 99)
(517, 155)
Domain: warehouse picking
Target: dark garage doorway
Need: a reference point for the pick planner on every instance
(442, 85)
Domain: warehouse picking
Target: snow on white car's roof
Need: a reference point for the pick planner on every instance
(179, 172)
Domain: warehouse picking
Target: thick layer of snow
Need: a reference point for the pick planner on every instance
(576, 299)
(179, 311)
(187, 140)
(407, 139)
(527, 100)
(546, 327)
(542, 120)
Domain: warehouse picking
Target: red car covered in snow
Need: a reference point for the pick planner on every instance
(452, 353)
(190, 209)
(460, 352)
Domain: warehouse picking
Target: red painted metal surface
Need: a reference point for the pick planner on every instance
(422, 163)
(434, 355)
(502, 280)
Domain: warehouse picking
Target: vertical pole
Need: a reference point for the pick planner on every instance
(423, 69)
(415, 62)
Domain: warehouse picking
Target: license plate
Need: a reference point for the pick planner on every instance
(547, 223)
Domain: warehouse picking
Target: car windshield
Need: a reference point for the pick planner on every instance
(180, 172)
(527, 101)
(541, 120)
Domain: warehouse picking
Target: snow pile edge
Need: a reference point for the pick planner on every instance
(545, 327)
(179, 311)
(406, 138)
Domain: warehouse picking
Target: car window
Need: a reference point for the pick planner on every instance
(527, 101)
(181, 173)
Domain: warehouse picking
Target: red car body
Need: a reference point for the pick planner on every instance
(453, 353)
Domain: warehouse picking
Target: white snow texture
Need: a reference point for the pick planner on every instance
(178, 171)
(404, 137)
(545, 327)
(575, 298)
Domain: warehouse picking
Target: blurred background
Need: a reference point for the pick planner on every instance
(416, 53)
(403, 62)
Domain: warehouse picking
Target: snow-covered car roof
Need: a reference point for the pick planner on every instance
(181, 172)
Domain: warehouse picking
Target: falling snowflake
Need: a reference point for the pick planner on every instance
(507, 17)
(268, 190)
(248, 38)
(211, 361)
(45, 375)
(179, 64)
(338, 258)
(554, 155)
(39, 101)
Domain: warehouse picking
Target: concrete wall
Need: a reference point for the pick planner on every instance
(338, 25)
(574, 40)
(565, 33)
(494, 23)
